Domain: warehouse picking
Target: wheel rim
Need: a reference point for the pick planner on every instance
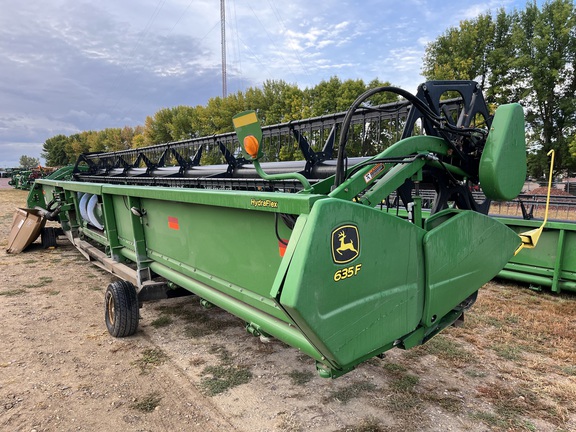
(110, 308)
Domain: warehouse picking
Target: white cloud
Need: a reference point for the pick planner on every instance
(316, 38)
(473, 11)
(423, 41)
(70, 65)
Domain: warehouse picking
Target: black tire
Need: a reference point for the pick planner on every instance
(121, 309)
(48, 237)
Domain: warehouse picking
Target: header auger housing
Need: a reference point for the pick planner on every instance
(308, 251)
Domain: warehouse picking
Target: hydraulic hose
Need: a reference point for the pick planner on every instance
(340, 174)
(419, 104)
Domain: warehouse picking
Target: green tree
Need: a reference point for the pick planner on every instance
(54, 151)
(501, 73)
(83, 142)
(138, 141)
(524, 56)
(217, 115)
(546, 51)
(127, 134)
(275, 102)
(111, 139)
(28, 162)
(325, 96)
(181, 126)
(461, 53)
(157, 128)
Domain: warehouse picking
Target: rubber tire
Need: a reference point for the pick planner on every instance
(121, 309)
(48, 237)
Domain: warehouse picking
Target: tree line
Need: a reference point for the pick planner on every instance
(525, 56)
(276, 102)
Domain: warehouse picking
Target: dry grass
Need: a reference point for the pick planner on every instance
(526, 345)
(298, 377)
(148, 403)
(225, 375)
(150, 359)
(351, 391)
(511, 367)
(198, 322)
(524, 321)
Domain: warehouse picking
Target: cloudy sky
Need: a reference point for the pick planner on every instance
(73, 65)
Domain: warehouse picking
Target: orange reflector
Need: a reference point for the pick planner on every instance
(251, 146)
(173, 223)
(282, 247)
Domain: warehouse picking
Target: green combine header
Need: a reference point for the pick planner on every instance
(309, 252)
(24, 178)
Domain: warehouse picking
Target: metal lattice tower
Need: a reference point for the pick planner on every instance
(223, 41)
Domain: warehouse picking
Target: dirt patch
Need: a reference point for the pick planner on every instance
(4, 183)
(511, 367)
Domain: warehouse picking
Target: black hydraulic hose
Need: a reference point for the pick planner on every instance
(339, 178)
(348, 119)
(51, 215)
(416, 102)
(280, 239)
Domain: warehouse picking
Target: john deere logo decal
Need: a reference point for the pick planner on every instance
(345, 244)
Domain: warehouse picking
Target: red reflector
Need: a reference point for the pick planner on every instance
(173, 223)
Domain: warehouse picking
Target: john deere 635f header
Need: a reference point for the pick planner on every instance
(308, 252)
